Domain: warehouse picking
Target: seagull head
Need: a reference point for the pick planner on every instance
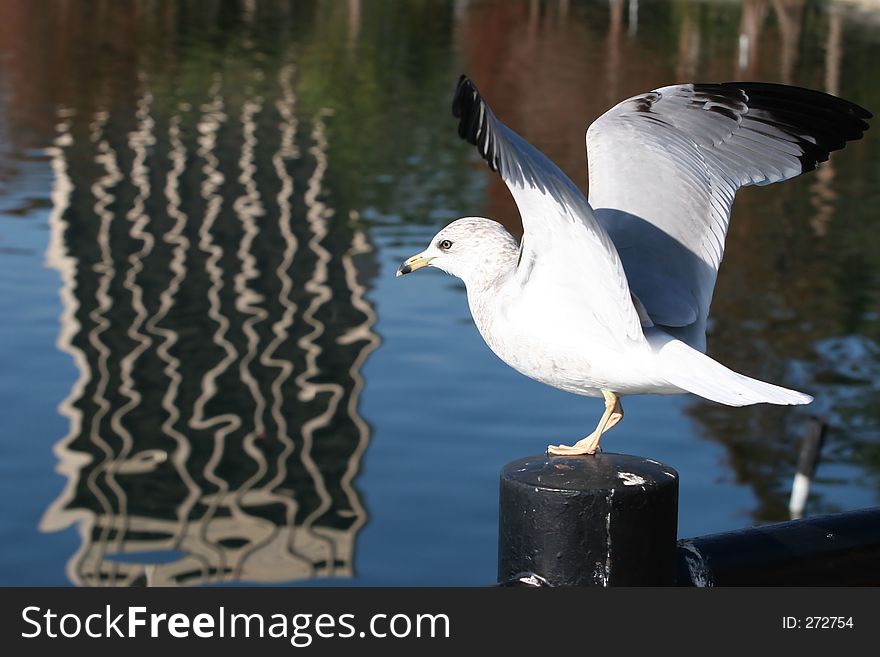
(474, 249)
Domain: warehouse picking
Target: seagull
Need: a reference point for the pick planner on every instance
(609, 296)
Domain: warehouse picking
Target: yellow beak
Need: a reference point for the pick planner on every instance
(416, 262)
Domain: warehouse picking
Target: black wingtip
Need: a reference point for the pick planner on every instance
(822, 123)
(474, 125)
(463, 87)
(803, 95)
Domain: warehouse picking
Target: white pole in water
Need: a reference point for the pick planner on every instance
(811, 451)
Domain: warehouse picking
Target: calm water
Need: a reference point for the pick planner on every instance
(210, 373)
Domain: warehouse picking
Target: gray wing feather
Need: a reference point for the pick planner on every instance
(564, 248)
(665, 166)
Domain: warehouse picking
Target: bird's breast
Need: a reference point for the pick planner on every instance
(564, 350)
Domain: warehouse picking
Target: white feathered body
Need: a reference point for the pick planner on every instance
(549, 330)
(545, 342)
(541, 336)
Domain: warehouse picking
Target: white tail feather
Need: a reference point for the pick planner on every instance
(695, 372)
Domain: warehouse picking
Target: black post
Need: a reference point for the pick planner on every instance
(603, 520)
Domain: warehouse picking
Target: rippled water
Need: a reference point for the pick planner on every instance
(210, 372)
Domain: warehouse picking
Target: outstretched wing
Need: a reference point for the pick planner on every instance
(665, 166)
(564, 251)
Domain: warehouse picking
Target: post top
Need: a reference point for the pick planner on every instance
(601, 471)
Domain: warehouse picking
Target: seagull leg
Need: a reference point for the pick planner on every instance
(590, 445)
(616, 411)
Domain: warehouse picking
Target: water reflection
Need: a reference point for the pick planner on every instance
(214, 427)
(227, 179)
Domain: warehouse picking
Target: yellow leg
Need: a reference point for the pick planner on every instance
(590, 445)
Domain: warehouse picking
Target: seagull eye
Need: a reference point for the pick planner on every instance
(445, 245)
